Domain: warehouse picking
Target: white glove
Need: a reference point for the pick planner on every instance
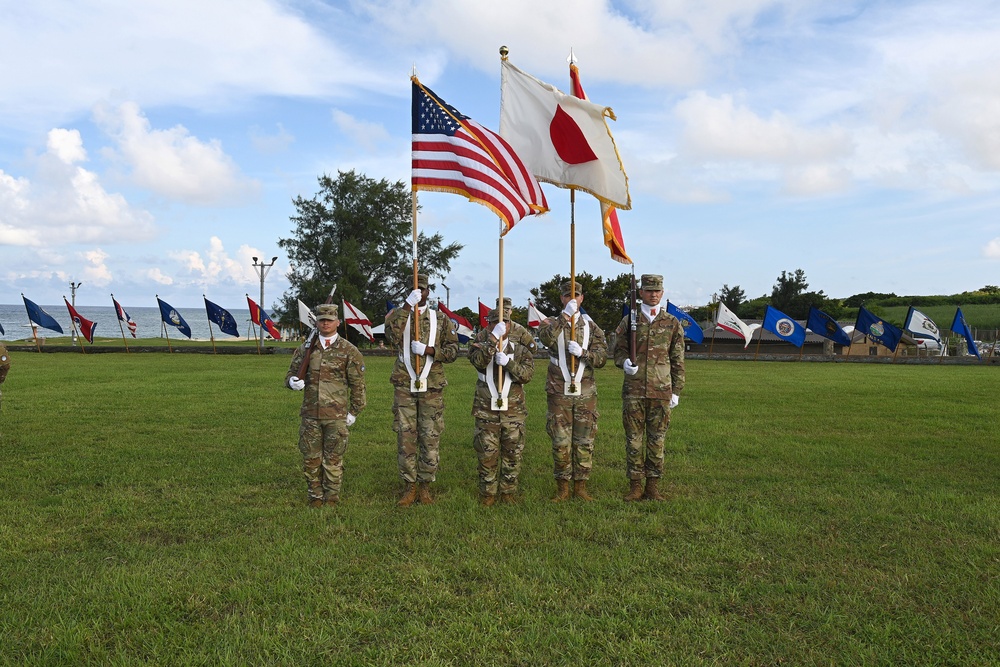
(296, 384)
(674, 400)
(416, 347)
(571, 308)
(351, 419)
(574, 348)
(499, 330)
(502, 358)
(629, 367)
(414, 298)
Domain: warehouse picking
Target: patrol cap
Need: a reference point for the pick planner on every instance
(567, 289)
(422, 280)
(327, 311)
(506, 302)
(652, 281)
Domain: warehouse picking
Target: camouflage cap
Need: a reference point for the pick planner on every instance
(494, 316)
(422, 280)
(326, 311)
(506, 302)
(652, 281)
(568, 291)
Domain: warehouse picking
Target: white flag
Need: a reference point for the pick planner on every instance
(727, 320)
(306, 315)
(535, 316)
(921, 326)
(561, 139)
(355, 318)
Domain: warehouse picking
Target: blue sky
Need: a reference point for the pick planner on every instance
(154, 147)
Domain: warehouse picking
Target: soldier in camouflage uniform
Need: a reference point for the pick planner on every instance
(571, 421)
(334, 386)
(651, 388)
(419, 381)
(498, 406)
(4, 366)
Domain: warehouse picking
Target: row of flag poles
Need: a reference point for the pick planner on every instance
(169, 315)
(869, 325)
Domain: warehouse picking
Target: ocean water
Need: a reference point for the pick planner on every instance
(14, 320)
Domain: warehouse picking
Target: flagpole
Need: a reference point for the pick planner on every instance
(711, 345)
(31, 323)
(120, 327)
(416, 308)
(75, 334)
(572, 284)
(163, 325)
(210, 333)
(759, 339)
(500, 311)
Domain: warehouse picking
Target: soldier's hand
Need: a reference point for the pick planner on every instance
(571, 308)
(499, 330)
(574, 348)
(416, 347)
(413, 298)
(296, 384)
(502, 358)
(674, 400)
(350, 419)
(629, 367)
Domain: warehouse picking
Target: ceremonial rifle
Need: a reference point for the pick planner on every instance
(633, 322)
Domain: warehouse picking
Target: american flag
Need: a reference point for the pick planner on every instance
(123, 316)
(453, 153)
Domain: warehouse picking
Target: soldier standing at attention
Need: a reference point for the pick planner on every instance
(334, 386)
(419, 381)
(4, 366)
(498, 405)
(571, 392)
(651, 387)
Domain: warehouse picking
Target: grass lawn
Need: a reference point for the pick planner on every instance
(152, 510)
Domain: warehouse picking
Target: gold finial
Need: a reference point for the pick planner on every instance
(503, 52)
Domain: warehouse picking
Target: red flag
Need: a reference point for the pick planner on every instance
(85, 326)
(535, 316)
(484, 315)
(260, 318)
(355, 318)
(609, 214)
(453, 153)
(123, 316)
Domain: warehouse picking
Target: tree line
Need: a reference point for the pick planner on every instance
(356, 233)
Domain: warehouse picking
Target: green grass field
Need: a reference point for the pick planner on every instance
(152, 511)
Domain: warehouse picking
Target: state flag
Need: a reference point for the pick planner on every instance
(784, 327)
(222, 317)
(535, 316)
(39, 316)
(83, 325)
(961, 327)
(123, 316)
(727, 321)
(355, 318)
(692, 331)
(170, 316)
(823, 325)
(877, 329)
(259, 317)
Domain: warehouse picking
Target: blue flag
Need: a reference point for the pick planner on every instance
(960, 326)
(823, 325)
(39, 316)
(2, 332)
(877, 329)
(692, 331)
(173, 318)
(784, 327)
(222, 317)
(389, 307)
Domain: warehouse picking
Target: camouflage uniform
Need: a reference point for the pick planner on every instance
(571, 421)
(4, 366)
(646, 395)
(498, 437)
(419, 416)
(335, 386)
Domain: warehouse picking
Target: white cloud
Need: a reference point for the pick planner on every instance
(369, 135)
(96, 271)
(65, 203)
(270, 144)
(71, 53)
(171, 162)
(215, 266)
(159, 277)
(992, 249)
